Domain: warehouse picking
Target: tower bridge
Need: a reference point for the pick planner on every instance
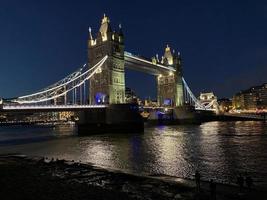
(109, 85)
(101, 81)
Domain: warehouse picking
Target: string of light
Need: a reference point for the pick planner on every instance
(51, 93)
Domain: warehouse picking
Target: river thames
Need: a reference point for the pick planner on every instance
(219, 150)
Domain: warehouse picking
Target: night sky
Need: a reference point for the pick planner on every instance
(223, 43)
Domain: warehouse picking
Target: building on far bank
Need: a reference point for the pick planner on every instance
(238, 101)
(254, 98)
(2, 116)
(207, 96)
(150, 102)
(130, 96)
(208, 99)
(225, 104)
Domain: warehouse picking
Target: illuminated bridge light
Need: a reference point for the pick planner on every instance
(127, 54)
(47, 107)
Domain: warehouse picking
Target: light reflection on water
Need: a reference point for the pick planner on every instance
(220, 150)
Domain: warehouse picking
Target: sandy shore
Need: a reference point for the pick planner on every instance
(29, 178)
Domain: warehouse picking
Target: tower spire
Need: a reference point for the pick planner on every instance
(120, 30)
(90, 33)
(168, 55)
(167, 48)
(105, 28)
(105, 19)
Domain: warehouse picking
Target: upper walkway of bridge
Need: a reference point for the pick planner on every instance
(140, 63)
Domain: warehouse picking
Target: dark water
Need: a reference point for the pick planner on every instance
(220, 150)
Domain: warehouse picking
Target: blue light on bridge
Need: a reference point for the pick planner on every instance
(167, 102)
(100, 98)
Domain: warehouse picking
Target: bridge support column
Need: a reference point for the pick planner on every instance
(116, 118)
(107, 86)
(170, 86)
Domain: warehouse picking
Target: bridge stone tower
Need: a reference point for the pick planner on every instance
(169, 86)
(107, 86)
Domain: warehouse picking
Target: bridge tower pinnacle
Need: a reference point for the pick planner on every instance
(170, 86)
(107, 86)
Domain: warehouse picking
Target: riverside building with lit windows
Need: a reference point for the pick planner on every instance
(254, 98)
(225, 105)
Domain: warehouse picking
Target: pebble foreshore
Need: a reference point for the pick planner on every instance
(24, 177)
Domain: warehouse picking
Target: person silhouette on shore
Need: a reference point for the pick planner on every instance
(240, 181)
(197, 178)
(249, 182)
(212, 190)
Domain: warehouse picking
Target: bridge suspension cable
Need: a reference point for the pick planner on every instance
(59, 83)
(190, 98)
(62, 87)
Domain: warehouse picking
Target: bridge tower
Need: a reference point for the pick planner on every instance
(107, 86)
(169, 86)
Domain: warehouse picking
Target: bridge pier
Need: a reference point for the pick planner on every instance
(169, 85)
(115, 118)
(173, 116)
(185, 114)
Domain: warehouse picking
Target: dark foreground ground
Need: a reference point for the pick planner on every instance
(30, 178)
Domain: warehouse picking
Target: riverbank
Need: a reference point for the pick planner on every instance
(29, 178)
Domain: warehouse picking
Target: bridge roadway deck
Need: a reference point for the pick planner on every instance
(58, 108)
(48, 108)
